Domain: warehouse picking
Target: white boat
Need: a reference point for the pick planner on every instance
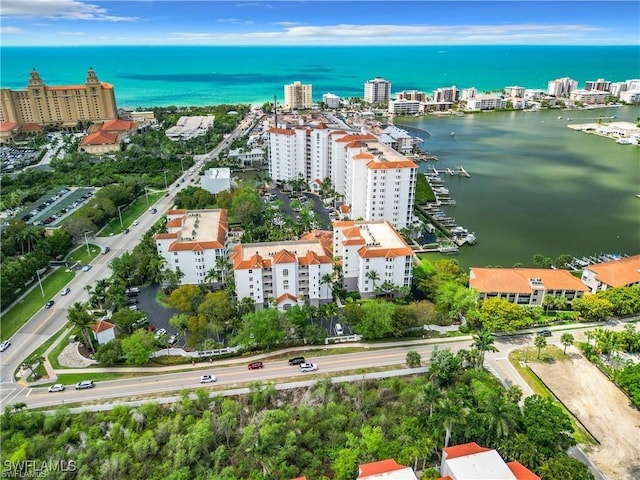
(625, 141)
(453, 134)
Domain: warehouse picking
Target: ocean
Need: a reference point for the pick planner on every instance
(536, 186)
(147, 76)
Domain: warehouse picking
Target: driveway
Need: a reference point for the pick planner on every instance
(157, 314)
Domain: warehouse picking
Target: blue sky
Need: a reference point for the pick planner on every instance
(328, 22)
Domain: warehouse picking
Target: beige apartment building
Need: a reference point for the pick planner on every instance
(298, 96)
(93, 101)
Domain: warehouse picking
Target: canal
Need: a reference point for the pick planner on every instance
(536, 186)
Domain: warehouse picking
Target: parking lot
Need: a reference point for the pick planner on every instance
(314, 200)
(51, 208)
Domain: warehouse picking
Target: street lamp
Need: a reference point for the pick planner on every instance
(166, 186)
(181, 165)
(120, 215)
(146, 194)
(86, 241)
(40, 283)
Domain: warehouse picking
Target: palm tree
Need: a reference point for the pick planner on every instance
(79, 317)
(540, 342)
(501, 416)
(327, 279)
(566, 339)
(484, 341)
(432, 395)
(374, 277)
(451, 410)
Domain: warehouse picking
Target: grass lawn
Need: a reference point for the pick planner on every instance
(547, 354)
(130, 214)
(21, 312)
(71, 379)
(424, 192)
(81, 256)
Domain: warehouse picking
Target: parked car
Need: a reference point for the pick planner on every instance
(49, 304)
(339, 330)
(86, 268)
(207, 378)
(296, 360)
(4, 345)
(160, 332)
(83, 385)
(308, 367)
(544, 333)
(255, 365)
(65, 291)
(132, 301)
(58, 387)
(173, 339)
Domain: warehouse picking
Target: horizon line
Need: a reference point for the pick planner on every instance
(332, 45)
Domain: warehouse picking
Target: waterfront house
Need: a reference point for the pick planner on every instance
(525, 286)
(622, 272)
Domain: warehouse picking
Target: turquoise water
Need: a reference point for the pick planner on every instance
(537, 186)
(194, 75)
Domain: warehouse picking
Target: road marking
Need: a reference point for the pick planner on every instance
(29, 393)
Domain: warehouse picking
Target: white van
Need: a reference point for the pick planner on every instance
(339, 330)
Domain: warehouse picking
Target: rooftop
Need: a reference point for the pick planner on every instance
(521, 280)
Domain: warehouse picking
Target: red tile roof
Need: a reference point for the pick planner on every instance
(376, 468)
(284, 256)
(464, 449)
(100, 138)
(7, 126)
(618, 273)
(286, 296)
(118, 125)
(391, 164)
(101, 326)
(281, 131)
(32, 127)
(516, 280)
(521, 472)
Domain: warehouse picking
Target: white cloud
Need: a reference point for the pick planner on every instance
(346, 34)
(10, 31)
(235, 21)
(59, 9)
(71, 34)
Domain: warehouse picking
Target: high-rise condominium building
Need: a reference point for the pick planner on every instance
(600, 84)
(376, 181)
(561, 87)
(297, 96)
(62, 105)
(377, 90)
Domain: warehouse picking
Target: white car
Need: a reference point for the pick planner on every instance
(160, 332)
(207, 378)
(135, 223)
(308, 367)
(58, 387)
(87, 267)
(65, 291)
(4, 345)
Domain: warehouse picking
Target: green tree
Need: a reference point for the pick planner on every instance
(138, 347)
(547, 425)
(540, 342)
(432, 394)
(413, 359)
(260, 329)
(484, 341)
(565, 467)
(500, 315)
(593, 307)
(109, 353)
(185, 298)
(80, 317)
(444, 366)
(567, 340)
(376, 321)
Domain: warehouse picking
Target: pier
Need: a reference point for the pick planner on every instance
(457, 170)
(456, 236)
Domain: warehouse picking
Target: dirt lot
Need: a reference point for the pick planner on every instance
(602, 408)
